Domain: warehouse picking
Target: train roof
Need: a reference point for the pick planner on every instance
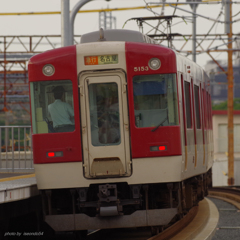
(116, 35)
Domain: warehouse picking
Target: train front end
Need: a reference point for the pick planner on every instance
(119, 164)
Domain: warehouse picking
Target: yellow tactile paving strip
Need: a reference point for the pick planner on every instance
(5, 179)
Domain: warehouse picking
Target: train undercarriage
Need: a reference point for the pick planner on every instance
(119, 205)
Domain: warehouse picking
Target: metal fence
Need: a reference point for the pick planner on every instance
(16, 149)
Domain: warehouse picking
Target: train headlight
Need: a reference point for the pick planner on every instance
(154, 63)
(48, 70)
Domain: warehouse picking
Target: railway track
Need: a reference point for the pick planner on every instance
(227, 200)
(191, 226)
(228, 194)
(200, 223)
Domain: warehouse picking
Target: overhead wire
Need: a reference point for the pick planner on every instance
(156, 14)
(236, 14)
(219, 15)
(175, 10)
(215, 22)
(81, 11)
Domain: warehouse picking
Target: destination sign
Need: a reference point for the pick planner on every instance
(101, 60)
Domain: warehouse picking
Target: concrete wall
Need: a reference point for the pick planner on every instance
(220, 165)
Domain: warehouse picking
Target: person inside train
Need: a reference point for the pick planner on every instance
(62, 113)
(109, 121)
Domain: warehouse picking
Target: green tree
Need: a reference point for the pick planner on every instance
(224, 105)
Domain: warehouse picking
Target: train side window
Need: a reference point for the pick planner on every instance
(197, 107)
(209, 111)
(201, 107)
(205, 108)
(184, 111)
(52, 106)
(188, 104)
(155, 100)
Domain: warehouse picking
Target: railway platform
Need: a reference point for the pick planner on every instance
(17, 186)
(20, 203)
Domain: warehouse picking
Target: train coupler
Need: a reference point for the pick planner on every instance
(107, 193)
(108, 204)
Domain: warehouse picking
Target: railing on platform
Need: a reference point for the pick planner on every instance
(16, 149)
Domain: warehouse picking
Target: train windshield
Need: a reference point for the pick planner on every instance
(52, 106)
(155, 100)
(104, 113)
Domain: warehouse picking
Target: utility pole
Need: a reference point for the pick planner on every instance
(228, 29)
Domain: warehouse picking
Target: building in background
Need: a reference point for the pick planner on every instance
(14, 99)
(219, 87)
(219, 96)
(220, 134)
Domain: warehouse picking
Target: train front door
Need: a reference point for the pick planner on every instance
(104, 124)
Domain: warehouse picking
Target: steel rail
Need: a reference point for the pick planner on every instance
(228, 194)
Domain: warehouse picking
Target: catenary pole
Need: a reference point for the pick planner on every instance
(194, 5)
(194, 8)
(65, 19)
(72, 18)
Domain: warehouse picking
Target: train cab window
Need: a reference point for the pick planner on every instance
(52, 106)
(104, 114)
(188, 104)
(155, 100)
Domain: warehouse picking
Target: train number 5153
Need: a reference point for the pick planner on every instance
(141, 69)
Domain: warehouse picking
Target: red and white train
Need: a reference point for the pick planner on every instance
(137, 147)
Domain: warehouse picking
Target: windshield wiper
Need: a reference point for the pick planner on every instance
(160, 124)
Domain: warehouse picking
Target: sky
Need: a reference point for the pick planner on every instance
(87, 22)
